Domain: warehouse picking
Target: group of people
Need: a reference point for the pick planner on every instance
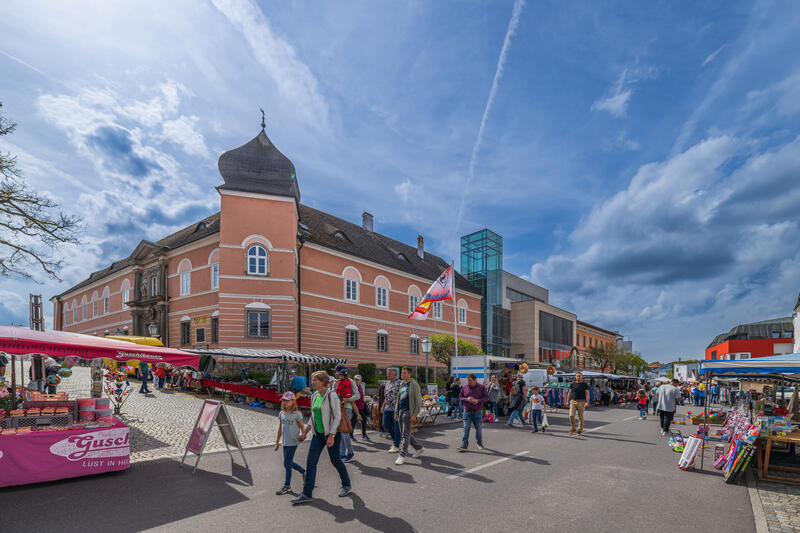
(156, 374)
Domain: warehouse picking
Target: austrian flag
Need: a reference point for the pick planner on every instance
(442, 289)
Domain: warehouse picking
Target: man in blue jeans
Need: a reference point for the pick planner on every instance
(473, 396)
(390, 395)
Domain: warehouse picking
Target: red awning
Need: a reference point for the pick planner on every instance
(23, 341)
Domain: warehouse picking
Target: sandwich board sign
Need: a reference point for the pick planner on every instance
(212, 412)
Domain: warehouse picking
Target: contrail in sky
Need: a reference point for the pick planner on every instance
(21, 62)
(498, 73)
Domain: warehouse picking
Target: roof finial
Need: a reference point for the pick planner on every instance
(263, 125)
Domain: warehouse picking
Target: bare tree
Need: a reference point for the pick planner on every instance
(31, 225)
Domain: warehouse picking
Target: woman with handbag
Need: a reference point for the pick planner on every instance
(328, 423)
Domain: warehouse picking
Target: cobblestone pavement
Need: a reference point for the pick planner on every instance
(160, 422)
(781, 504)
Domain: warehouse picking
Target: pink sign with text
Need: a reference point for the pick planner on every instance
(50, 455)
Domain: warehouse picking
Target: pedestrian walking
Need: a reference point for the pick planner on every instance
(387, 409)
(362, 408)
(517, 402)
(326, 415)
(407, 405)
(494, 391)
(578, 401)
(641, 402)
(290, 427)
(345, 390)
(144, 371)
(161, 376)
(473, 395)
(668, 396)
(714, 393)
(537, 409)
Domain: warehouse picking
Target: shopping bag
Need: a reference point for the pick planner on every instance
(545, 423)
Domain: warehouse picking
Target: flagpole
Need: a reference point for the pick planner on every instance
(455, 307)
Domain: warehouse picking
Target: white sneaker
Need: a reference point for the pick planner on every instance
(400, 460)
(393, 449)
(663, 432)
(417, 453)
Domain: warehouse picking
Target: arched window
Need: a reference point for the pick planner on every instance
(462, 311)
(257, 260)
(382, 288)
(414, 295)
(125, 289)
(351, 279)
(185, 272)
(94, 304)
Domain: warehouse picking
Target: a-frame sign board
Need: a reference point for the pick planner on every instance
(212, 412)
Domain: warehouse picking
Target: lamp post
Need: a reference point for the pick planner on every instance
(426, 349)
(152, 329)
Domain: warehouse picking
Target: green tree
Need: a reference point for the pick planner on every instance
(630, 363)
(443, 347)
(606, 354)
(30, 227)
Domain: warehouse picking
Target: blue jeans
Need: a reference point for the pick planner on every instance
(643, 411)
(391, 426)
(516, 413)
(144, 388)
(318, 443)
(346, 446)
(493, 409)
(536, 418)
(472, 418)
(289, 464)
(161, 382)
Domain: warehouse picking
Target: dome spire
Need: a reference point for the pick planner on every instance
(263, 124)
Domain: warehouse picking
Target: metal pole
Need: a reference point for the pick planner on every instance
(426, 368)
(705, 421)
(13, 381)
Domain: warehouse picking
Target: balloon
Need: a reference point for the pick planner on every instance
(523, 368)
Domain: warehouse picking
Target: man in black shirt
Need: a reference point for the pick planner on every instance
(578, 400)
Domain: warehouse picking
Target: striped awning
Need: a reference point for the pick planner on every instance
(258, 355)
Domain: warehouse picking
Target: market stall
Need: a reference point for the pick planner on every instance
(283, 379)
(761, 417)
(51, 436)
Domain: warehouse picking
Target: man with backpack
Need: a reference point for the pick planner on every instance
(348, 392)
(407, 404)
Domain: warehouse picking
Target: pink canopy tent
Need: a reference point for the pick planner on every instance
(23, 341)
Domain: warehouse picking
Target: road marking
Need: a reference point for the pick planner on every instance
(630, 418)
(595, 429)
(487, 465)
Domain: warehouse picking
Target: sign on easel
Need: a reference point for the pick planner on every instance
(212, 412)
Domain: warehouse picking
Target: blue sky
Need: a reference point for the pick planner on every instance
(641, 160)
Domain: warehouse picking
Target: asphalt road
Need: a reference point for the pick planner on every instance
(619, 476)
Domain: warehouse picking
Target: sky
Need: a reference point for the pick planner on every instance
(641, 160)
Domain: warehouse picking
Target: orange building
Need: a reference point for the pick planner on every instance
(267, 272)
(588, 335)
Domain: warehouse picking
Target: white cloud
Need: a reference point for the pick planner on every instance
(184, 132)
(713, 55)
(406, 191)
(294, 79)
(616, 104)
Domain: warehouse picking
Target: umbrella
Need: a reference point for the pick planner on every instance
(662, 379)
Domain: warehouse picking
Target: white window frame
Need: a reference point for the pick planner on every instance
(462, 314)
(94, 308)
(413, 302)
(351, 289)
(84, 311)
(253, 253)
(188, 337)
(106, 304)
(382, 297)
(437, 310)
(348, 335)
(215, 275)
(382, 342)
(259, 312)
(126, 296)
(414, 346)
(186, 283)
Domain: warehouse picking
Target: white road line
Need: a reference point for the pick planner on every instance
(595, 429)
(630, 418)
(487, 465)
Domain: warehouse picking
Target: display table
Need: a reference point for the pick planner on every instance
(268, 395)
(762, 463)
(50, 455)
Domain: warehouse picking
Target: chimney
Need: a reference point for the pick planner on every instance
(366, 221)
(421, 247)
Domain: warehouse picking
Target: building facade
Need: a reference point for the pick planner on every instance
(267, 272)
(757, 339)
(588, 336)
(796, 325)
(541, 334)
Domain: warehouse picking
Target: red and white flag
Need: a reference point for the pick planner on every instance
(442, 289)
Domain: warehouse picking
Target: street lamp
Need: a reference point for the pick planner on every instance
(426, 349)
(152, 329)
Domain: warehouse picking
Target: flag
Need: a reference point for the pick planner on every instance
(442, 289)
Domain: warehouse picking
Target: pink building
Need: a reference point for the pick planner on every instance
(267, 272)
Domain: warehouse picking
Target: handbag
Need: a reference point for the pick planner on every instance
(344, 423)
(545, 423)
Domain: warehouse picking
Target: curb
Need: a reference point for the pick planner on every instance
(755, 502)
